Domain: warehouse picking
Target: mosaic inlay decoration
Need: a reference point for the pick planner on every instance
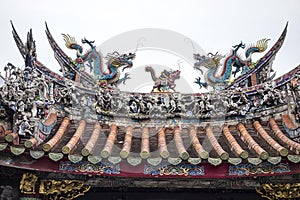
(263, 168)
(83, 166)
(181, 169)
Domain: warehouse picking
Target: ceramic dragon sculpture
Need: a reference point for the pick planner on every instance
(219, 74)
(108, 74)
(165, 82)
(100, 73)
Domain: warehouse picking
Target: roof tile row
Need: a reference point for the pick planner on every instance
(225, 143)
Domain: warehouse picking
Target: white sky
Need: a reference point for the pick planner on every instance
(215, 25)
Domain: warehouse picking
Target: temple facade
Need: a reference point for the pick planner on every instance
(76, 134)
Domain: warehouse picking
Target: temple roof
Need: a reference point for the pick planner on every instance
(78, 124)
(240, 143)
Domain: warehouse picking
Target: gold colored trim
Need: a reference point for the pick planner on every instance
(280, 191)
(63, 189)
(27, 183)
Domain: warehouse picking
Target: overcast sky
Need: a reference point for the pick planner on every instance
(214, 25)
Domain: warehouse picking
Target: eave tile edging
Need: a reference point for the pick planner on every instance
(114, 159)
(294, 158)
(235, 161)
(36, 154)
(56, 156)
(194, 161)
(134, 161)
(75, 158)
(214, 161)
(3, 146)
(17, 150)
(274, 160)
(94, 159)
(174, 161)
(154, 161)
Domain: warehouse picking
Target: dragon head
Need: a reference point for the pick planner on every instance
(125, 60)
(199, 57)
(175, 74)
(120, 60)
(203, 60)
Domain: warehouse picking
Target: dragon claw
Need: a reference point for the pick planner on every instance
(201, 84)
(126, 77)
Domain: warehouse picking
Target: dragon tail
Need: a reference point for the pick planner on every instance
(71, 43)
(260, 46)
(151, 70)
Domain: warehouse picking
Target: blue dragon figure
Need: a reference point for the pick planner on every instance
(103, 73)
(220, 74)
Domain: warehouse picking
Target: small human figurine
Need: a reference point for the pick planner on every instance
(25, 127)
